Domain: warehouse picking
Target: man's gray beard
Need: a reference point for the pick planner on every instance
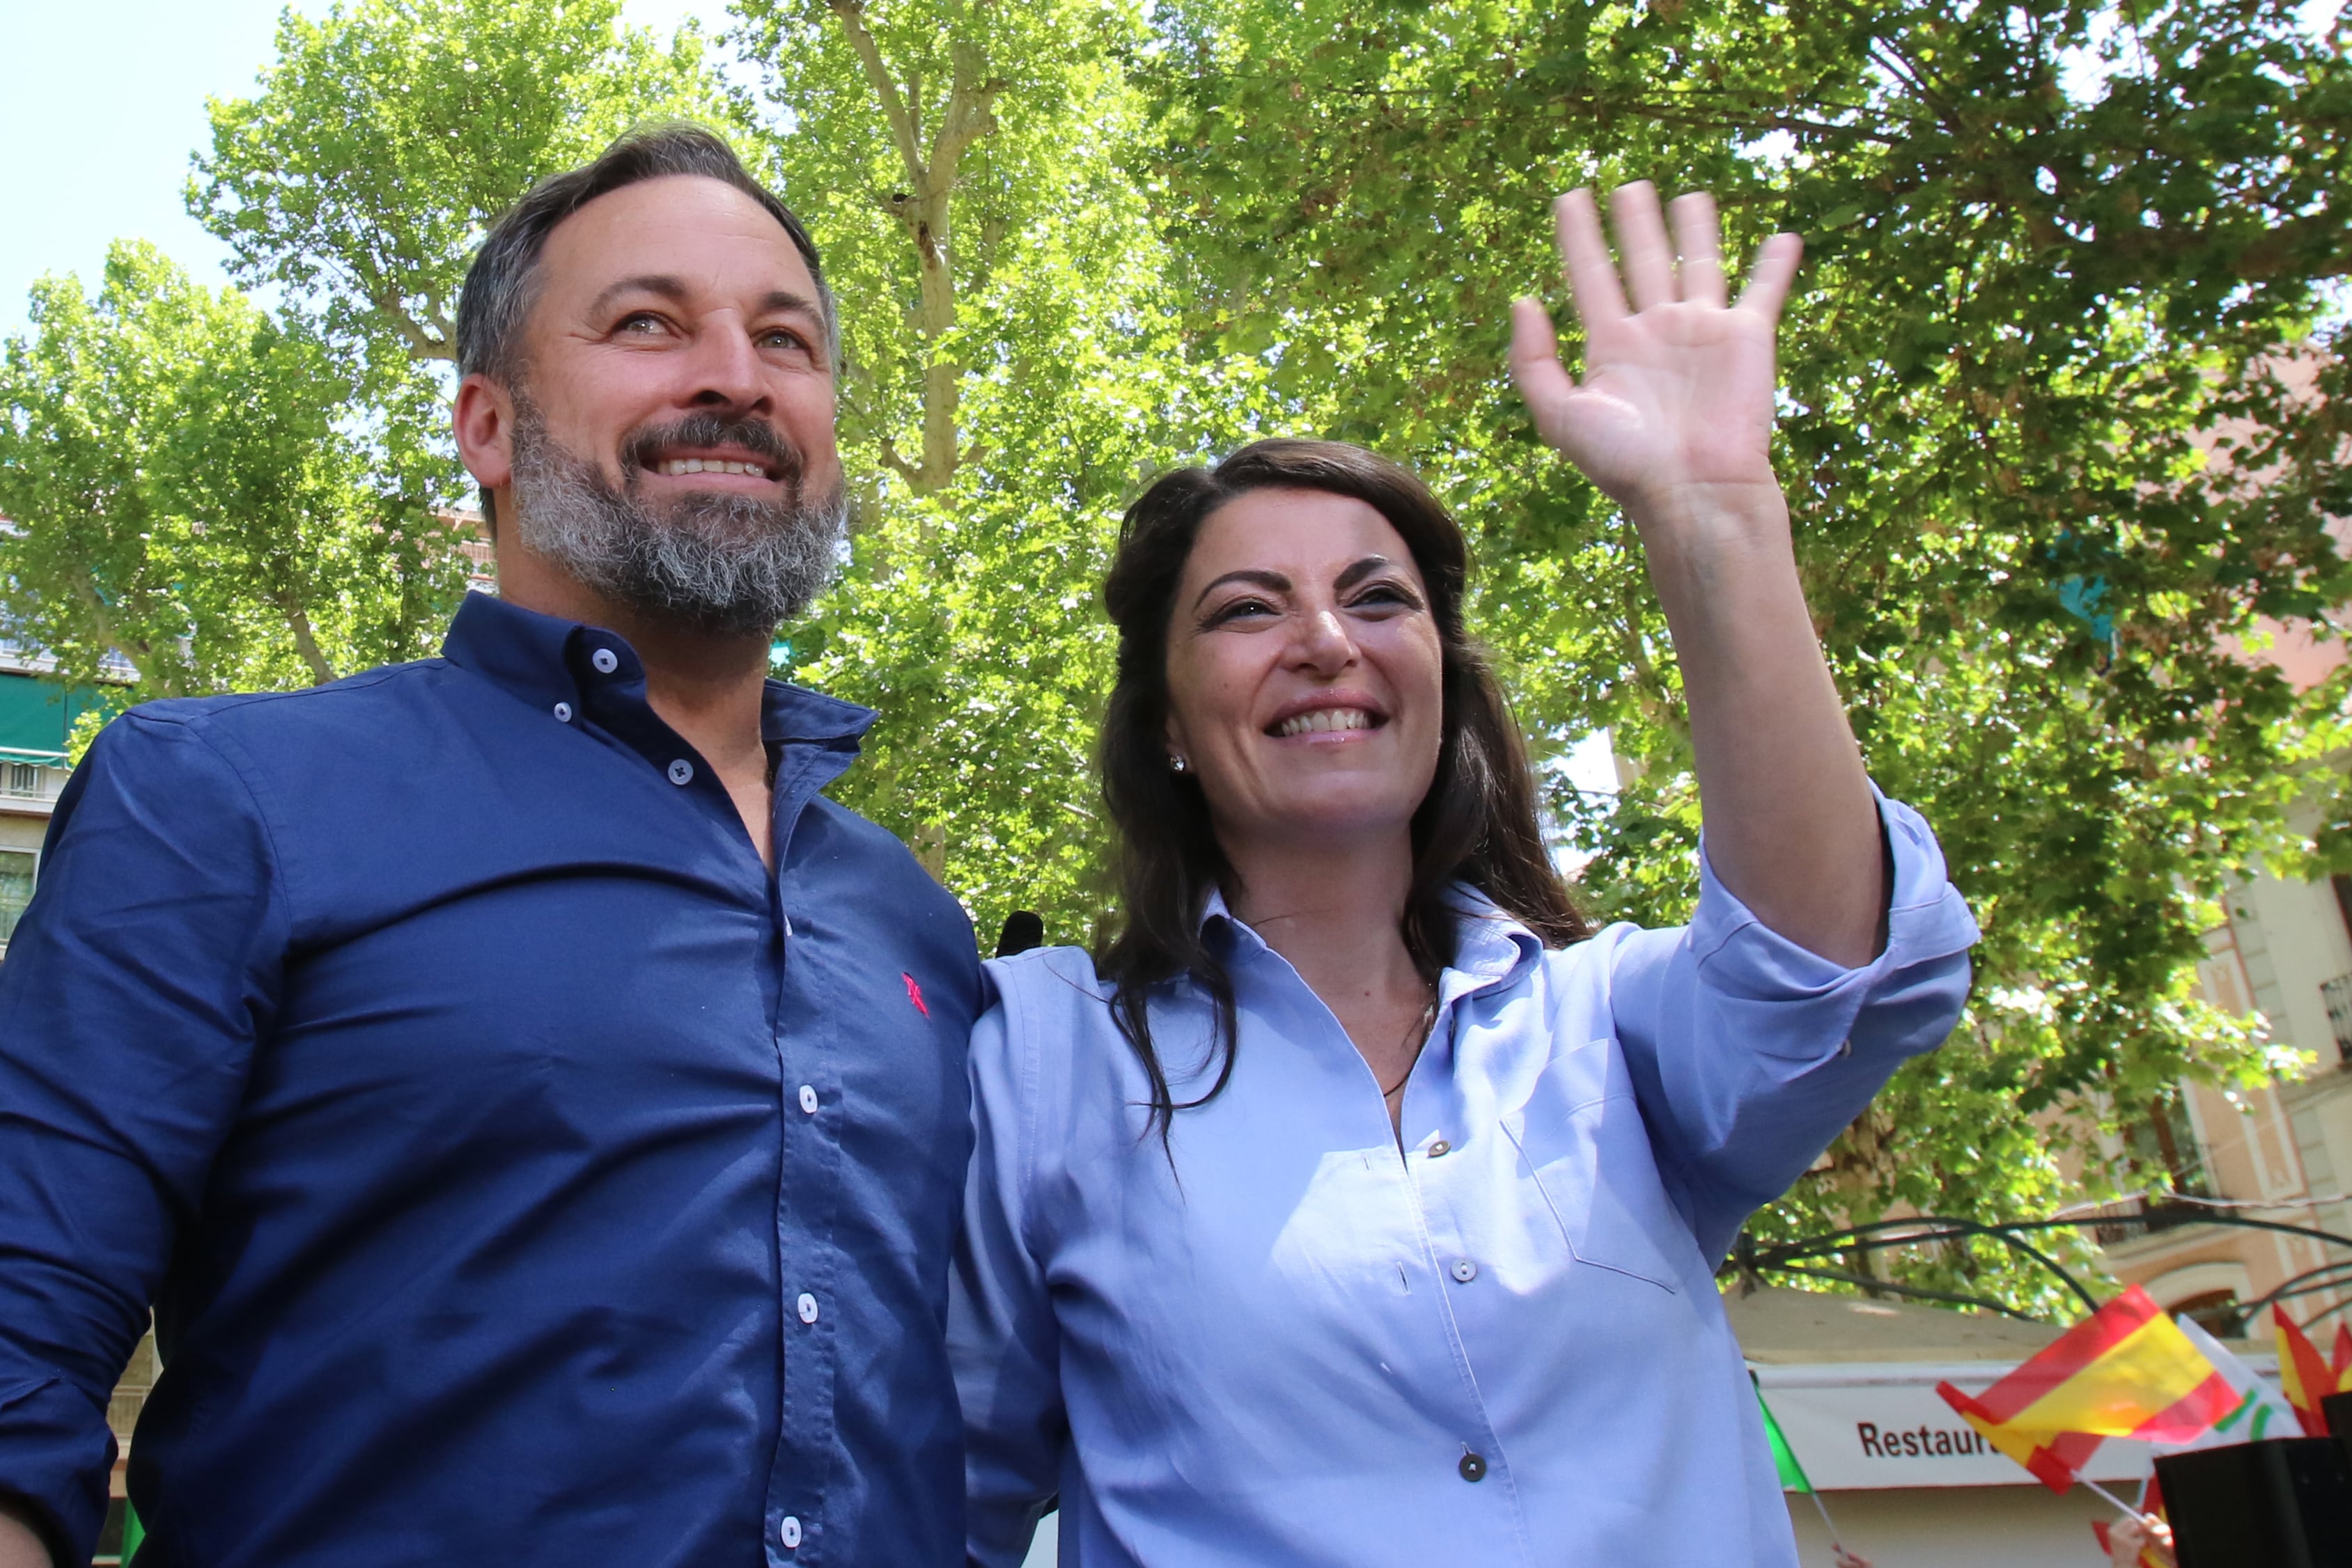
(716, 562)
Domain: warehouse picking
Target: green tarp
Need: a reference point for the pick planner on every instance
(36, 717)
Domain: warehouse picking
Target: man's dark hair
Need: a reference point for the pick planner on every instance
(1476, 825)
(1023, 929)
(502, 285)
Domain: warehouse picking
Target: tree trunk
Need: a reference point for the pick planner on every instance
(924, 210)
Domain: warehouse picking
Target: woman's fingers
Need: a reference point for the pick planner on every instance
(1584, 255)
(1700, 238)
(1775, 270)
(1641, 242)
(1651, 273)
(1543, 381)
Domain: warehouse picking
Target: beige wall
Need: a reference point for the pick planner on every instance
(1958, 1527)
(2285, 1148)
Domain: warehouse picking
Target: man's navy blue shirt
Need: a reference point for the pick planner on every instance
(519, 1171)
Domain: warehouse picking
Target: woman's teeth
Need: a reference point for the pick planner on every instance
(1326, 719)
(709, 465)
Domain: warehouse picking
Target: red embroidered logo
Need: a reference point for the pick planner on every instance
(914, 993)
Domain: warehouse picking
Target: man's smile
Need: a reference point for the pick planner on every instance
(721, 462)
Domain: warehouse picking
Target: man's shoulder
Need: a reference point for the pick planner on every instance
(350, 722)
(362, 698)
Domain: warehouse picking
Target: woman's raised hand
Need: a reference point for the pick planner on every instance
(1673, 417)
(1674, 420)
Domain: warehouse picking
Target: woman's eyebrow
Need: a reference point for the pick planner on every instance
(1361, 571)
(1273, 581)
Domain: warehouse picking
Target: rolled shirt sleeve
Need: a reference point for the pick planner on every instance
(1749, 1053)
(130, 1002)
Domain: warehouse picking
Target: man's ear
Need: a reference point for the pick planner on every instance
(483, 421)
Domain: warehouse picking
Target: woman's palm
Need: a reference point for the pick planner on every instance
(1678, 391)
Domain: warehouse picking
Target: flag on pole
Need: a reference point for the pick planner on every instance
(2126, 1370)
(2306, 1376)
(1792, 1474)
(2264, 1414)
(1784, 1457)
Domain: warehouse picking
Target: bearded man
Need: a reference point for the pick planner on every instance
(535, 1115)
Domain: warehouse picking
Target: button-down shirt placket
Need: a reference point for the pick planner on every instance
(1447, 1263)
(806, 1200)
(1274, 985)
(808, 1176)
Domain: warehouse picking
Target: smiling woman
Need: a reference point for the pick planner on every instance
(1309, 594)
(1359, 1204)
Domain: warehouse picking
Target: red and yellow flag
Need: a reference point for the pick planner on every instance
(2306, 1378)
(2126, 1370)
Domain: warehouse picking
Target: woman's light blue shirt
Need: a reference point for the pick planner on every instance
(1294, 1344)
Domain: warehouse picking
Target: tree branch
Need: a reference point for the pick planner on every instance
(904, 131)
(435, 340)
(305, 640)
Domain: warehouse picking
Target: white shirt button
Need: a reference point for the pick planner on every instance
(789, 1532)
(807, 1308)
(682, 771)
(1465, 1270)
(808, 1099)
(606, 660)
(563, 713)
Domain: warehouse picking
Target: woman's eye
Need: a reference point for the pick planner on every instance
(1239, 609)
(1386, 593)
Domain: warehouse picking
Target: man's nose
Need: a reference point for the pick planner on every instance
(727, 370)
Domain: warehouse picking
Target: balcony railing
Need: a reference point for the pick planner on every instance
(2132, 1217)
(2338, 994)
(22, 780)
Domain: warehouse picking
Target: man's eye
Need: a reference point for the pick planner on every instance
(639, 322)
(782, 337)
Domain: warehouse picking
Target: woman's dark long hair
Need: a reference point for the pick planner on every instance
(1476, 825)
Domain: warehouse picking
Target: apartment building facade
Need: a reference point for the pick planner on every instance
(2280, 1154)
(36, 722)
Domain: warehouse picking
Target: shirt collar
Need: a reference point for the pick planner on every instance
(541, 659)
(1490, 948)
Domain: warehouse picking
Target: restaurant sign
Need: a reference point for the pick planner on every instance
(1860, 1427)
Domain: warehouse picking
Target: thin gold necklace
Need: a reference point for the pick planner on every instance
(1427, 1025)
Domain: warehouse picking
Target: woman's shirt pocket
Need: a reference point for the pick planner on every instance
(1585, 1154)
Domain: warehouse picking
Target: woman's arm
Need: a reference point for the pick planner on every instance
(1002, 1339)
(1674, 421)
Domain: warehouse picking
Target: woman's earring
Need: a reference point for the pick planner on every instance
(1176, 763)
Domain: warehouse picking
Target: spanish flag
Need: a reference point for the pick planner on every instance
(2305, 1377)
(2126, 1370)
